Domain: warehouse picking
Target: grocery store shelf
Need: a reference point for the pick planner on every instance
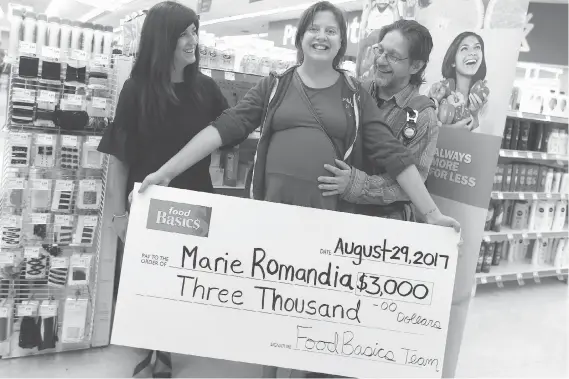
(509, 234)
(529, 196)
(537, 117)
(533, 155)
(218, 74)
(519, 271)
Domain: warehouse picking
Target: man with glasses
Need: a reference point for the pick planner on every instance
(401, 56)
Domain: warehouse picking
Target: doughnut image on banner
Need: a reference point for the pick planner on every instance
(469, 75)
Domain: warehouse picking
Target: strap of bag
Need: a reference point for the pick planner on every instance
(299, 87)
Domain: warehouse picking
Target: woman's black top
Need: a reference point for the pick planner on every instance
(146, 149)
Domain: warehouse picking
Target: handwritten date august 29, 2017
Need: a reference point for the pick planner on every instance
(390, 254)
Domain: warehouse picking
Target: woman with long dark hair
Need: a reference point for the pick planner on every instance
(464, 65)
(162, 106)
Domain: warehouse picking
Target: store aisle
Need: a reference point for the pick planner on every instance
(511, 332)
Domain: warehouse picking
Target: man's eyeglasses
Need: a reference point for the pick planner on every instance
(378, 51)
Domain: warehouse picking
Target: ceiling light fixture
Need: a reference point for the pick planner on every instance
(269, 12)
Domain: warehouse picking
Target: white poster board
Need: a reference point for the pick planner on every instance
(257, 282)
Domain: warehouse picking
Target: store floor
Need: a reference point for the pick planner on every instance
(511, 333)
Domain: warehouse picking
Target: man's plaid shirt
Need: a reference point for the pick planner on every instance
(383, 189)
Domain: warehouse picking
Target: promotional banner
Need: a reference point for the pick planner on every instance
(470, 73)
(286, 286)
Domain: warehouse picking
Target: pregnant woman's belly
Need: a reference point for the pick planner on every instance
(295, 159)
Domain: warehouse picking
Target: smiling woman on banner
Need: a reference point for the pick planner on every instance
(310, 115)
(462, 94)
(163, 105)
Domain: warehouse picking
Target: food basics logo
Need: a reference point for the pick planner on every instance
(189, 219)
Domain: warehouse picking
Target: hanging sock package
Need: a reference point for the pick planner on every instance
(43, 151)
(23, 105)
(48, 312)
(70, 152)
(14, 192)
(30, 330)
(36, 262)
(58, 271)
(40, 194)
(74, 320)
(19, 145)
(63, 196)
(11, 231)
(90, 194)
(79, 270)
(6, 311)
(84, 234)
(63, 229)
(91, 158)
(38, 229)
(48, 98)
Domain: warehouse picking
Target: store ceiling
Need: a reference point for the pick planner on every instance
(110, 12)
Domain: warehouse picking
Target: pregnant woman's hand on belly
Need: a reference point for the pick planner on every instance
(337, 184)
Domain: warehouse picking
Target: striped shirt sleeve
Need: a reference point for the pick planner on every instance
(383, 189)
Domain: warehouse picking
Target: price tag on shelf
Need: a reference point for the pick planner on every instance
(64, 185)
(48, 309)
(543, 156)
(499, 281)
(15, 183)
(536, 277)
(28, 49)
(548, 118)
(520, 279)
(101, 60)
(487, 239)
(519, 114)
(521, 196)
(91, 221)
(29, 310)
(78, 55)
(23, 95)
(69, 141)
(51, 53)
(525, 236)
(88, 185)
(206, 72)
(20, 138)
(530, 155)
(63, 220)
(45, 139)
(483, 280)
(99, 102)
(548, 196)
(12, 221)
(538, 235)
(4, 311)
(31, 252)
(510, 237)
(8, 258)
(515, 154)
(47, 96)
(94, 140)
(534, 196)
(559, 274)
(229, 75)
(39, 218)
(500, 196)
(59, 262)
(40, 184)
(80, 260)
(74, 100)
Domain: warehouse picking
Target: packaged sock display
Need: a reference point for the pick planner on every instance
(49, 324)
(19, 145)
(44, 151)
(6, 309)
(11, 229)
(84, 233)
(63, 196)
(36, 262)
(63, 229)
(74, 320)
(90, 194)
(40, 194)
(30, 327)
(14, 192)
(48, 99)
(58, 270)
(37, 229)
(79, 270)
(70, 152)
(91, 157)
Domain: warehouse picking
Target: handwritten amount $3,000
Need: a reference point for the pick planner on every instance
(375, 286)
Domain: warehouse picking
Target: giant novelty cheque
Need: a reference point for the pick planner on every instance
(257, 282)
